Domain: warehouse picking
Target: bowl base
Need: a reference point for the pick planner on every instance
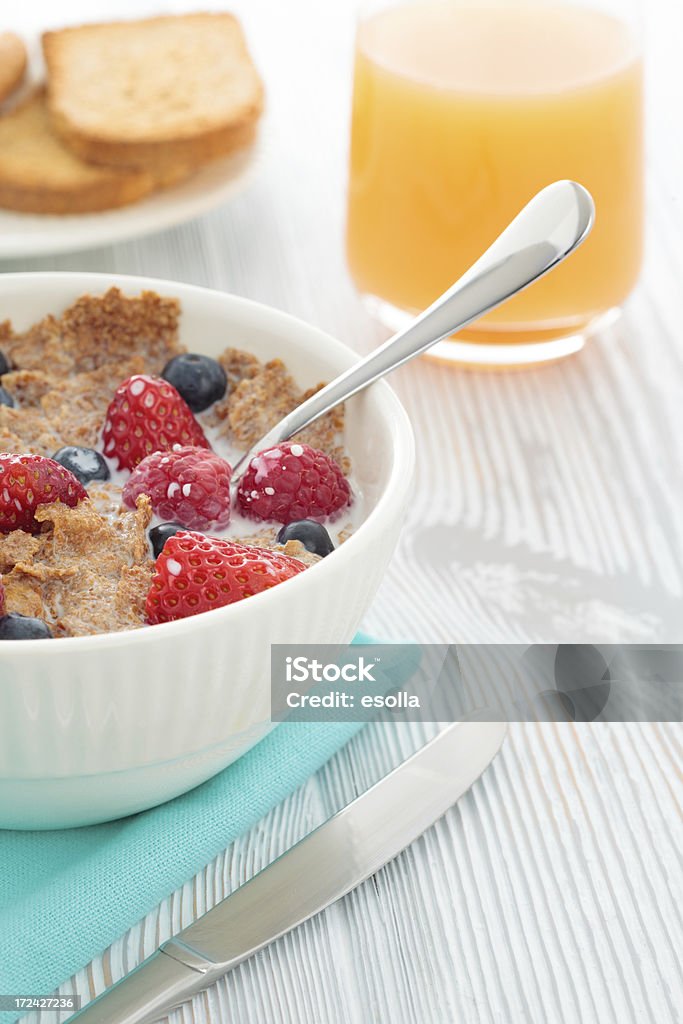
(74, 801)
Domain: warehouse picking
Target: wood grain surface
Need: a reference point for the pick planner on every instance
(547, 506)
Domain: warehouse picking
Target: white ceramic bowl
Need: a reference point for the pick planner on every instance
(93, 728)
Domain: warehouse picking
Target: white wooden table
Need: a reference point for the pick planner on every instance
(547, 506)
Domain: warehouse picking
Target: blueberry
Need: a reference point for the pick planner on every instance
(22, 627)
(5, 397)
(85, 463)
(312, 535)
(158, 535)
(4, 364)
(201, 381)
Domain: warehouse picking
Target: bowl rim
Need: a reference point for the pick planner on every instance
(390, 408)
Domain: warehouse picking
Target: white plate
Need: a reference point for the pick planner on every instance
(34, 234)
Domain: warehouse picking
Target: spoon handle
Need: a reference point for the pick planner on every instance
(543, 234)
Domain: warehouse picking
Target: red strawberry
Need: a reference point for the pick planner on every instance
(292, 482)
(195, 573)
(187, 485)
(27, 481)
(148, 415)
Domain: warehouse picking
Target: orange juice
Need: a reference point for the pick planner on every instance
(461, 112)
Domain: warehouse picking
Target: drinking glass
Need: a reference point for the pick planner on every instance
(462, 111)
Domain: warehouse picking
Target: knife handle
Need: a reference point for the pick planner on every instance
(154, 988)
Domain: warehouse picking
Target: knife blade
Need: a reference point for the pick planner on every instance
(324, 866)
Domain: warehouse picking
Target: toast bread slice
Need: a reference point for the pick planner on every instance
(38, 174)
(13, 61)
(172, 89)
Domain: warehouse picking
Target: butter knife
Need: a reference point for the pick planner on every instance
(325, 865)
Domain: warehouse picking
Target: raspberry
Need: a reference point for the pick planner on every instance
(195, 574)
(187, 485)
(27, 481)
(292, 482)
(148, 415)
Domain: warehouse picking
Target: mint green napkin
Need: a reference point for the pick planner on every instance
(67, 895)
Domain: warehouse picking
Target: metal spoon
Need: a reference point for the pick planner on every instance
(544, 233)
